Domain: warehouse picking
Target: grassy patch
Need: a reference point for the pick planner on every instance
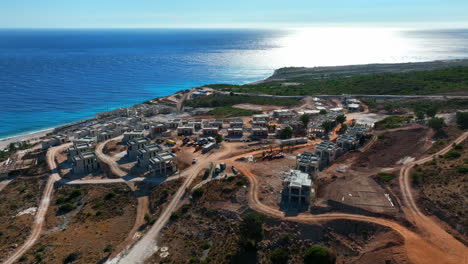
(385, 177)
(392, 121)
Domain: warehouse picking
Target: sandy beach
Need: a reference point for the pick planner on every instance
(4, 142)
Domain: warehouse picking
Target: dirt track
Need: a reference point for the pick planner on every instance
(434, 243)
(43, 206)
(143, 202)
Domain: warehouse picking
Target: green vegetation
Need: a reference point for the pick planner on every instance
(175, 215)
(68, 207)
(229, 111)
(279, 256)
(219, 138)
(197, 193)
(452, 154)
(240, 182)
(230, 100)
(462, 119)
(305, 119)
(74, 194)
(323, 112)
(385, 177)
(392, 122)
(327, 126)
(285, 133)
(436, 123)
(415, 82)
(317, 255)
(251, 230)
(206, 245)
(341, 119)
(108, 248)
(462, 169)
(109, 195)
(12, 148)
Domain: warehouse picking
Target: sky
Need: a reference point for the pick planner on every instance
(237, 14)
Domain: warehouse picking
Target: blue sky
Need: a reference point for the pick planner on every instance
(239, 13)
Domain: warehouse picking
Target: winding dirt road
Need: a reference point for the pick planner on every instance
(433, 244)
(43, 206)
(147, 245)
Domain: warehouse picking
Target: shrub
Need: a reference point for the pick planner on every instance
(458, 147)
(381, 137)
(279, 256)
(109, 195)
(436, 123)
(41, 249)
(175, 216)
(75, 193)
(38, 257)
(452, 154)
(285, 133)
(97, 205)
(462, 169)
(71, 257)
(67, 207)
(108, 248)
(317, 255)
(251, 227)
(147, 217)
(240, 182)
(22, 259)
(206, 246)
(197, 193)
(385, 177)
(61, 200)
(462, 119)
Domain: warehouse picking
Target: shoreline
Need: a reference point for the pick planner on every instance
(4, 142)
(279, 74)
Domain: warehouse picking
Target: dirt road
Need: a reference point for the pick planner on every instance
(428, 226)
(43, 206)
(3, 184)
(147, 245)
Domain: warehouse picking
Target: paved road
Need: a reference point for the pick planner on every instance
(43, 206)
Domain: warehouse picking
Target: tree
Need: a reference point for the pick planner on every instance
(462, 119)
(436, 123)
(327, 126)
(420, 115)
(305, 119)
(341, 119)
(318, 255)
(219, 138)
(431, 111)
(285, 133)
(323, 112)
(251, 227)
(343, 128)
(279, 256)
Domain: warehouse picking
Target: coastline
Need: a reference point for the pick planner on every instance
(4, 142)
(282, 74)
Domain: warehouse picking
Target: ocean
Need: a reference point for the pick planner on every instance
(52, 77)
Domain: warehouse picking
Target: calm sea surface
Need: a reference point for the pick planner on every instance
(52, 77)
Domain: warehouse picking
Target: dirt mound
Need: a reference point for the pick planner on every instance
(392, 147)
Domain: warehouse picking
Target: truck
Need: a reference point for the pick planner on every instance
(208, 147)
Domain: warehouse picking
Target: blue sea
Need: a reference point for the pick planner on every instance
(53, 77)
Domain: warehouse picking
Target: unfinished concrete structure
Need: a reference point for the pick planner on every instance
(236, 123)
(347, 142)
(296, 187)
(235, 132)
(309, 163)
(210, 130)
(76, 149)
(217, 122)
(127, 136)
(163, 163)
(327, 151)
(173, 123)
(146, 153)
(134, 145)
(185, 129)
(85, 162)
(259, 132)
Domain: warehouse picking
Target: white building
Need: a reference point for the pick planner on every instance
(163, 163)
(297, 187)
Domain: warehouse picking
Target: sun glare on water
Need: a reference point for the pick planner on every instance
(342, 46)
